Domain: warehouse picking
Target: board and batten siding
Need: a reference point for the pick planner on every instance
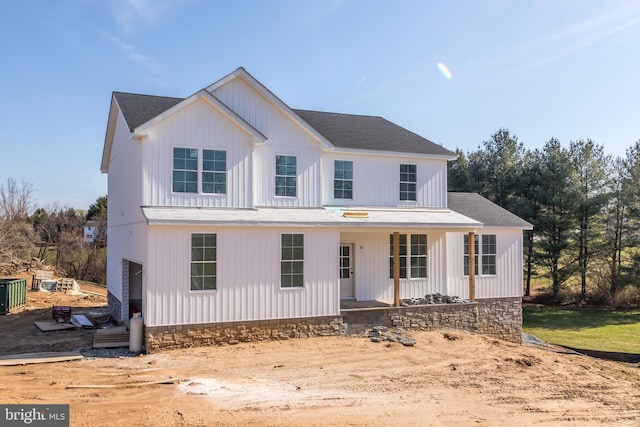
(285, 137)
(198, 126)
(376, 181)
(507, 282)
(126, 227)
(248, 277)
(371, 265)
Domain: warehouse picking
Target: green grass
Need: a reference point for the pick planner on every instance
(587, 329)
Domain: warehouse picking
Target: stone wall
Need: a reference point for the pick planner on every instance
(114, 304)
(499, 317)
(184, 336)
(496, 317)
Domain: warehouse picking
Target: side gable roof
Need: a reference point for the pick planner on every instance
(370, 133)
(138, 109)
(483, 210)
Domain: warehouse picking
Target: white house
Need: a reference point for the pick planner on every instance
(231, 211)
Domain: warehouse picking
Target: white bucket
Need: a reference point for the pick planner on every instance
(136, 328)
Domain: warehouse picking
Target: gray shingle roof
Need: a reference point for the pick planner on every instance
(477, 207)
(139, 109)
(369, 133)
(342, 130)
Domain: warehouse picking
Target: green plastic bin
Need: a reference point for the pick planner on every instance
(13, 293)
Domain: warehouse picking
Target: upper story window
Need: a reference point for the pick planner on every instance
(185, 170)
(416, 253)
(343, 179)
(189, 174)
(214, 171)
(408, 180)
(292, 261)
(286, 175)
(203, 262)
(487, 253)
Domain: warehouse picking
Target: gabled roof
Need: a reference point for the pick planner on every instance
(244, 75)
(485, 211)
(346, 131)
(138, 109)
(369, 133)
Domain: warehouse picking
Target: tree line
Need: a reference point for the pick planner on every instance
(54, 235)
(584, 205)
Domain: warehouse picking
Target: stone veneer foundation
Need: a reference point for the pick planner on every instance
(497, 317)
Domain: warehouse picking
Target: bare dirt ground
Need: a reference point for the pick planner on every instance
(448, 378)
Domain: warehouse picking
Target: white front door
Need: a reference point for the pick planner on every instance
(347, 288)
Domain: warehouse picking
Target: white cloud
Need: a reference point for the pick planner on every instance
(130, 51)
(130, 14)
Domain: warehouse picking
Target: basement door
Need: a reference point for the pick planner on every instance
(347, 284)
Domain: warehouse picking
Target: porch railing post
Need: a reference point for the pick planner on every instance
(396, 269)
(472, 266)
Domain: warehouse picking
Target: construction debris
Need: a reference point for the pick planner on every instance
(111, 337)
(382, 334)
(436, 298)
(31, 358)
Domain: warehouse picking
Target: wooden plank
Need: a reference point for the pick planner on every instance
(32, 358)
(126, 385)
(472, 266)
(53, 326)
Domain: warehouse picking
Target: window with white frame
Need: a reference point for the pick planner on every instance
(408, 180)
(488, 254)
(415, 253)
(343, 179)
(485, 253)
(185, 170)
(191, 176)
(286, 176)
(203, 262)
(214, 171)
(292, 261)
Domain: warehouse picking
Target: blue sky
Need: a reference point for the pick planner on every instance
(566, 69)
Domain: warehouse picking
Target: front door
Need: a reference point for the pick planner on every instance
(347, 288)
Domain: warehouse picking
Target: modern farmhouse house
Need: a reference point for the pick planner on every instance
(235, 217)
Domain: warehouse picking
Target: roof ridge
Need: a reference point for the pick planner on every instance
(336, 113)
(146, 94)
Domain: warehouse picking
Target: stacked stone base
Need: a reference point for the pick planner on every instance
(184, 336)
(498, 317)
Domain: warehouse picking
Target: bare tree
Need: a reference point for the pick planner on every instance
(15, 200)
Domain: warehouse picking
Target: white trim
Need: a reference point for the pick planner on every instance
(257, 136)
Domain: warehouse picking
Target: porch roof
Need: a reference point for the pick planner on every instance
(310, 217)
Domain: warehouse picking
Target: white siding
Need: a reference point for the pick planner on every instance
(126, 226)
(198, 126)
(507, 282)
(376, 181)
(248, 283)
(285, 137)
(371, 262)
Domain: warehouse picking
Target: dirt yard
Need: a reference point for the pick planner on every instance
(448, 378)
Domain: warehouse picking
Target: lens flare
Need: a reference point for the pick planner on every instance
(444, 70)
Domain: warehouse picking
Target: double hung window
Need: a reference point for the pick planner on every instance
(343, 179)
(286, 174)
(415, 253)
(203, 262)
(292, 261)
(485, 252)
(191, 176)
(408, 180)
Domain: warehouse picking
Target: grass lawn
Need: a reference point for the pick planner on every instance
(587, 329)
